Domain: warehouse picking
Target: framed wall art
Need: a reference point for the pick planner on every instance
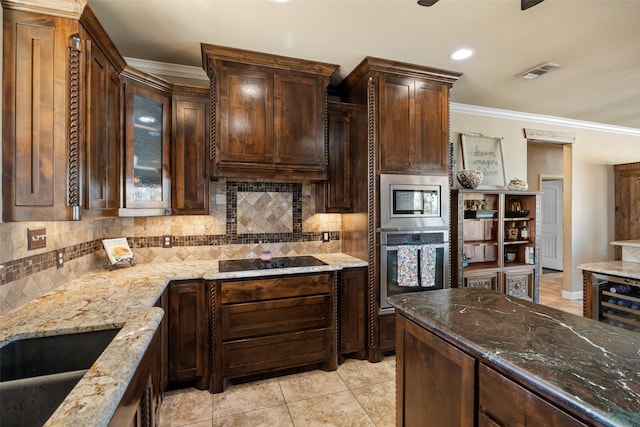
(484, 153)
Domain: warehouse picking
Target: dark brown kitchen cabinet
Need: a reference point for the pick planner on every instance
(269, 114)
(102, 119)
(334, 194)
(352, 309)
(137, 406)
(188, 342)
(627, 203)
(440, 382)
(410, 114)
(273, 323)
(36, 96)
(413, 125)
(387, 332)
(190, 146)
(160, 375)
(434, 380)
(504, 403)
(146, 162)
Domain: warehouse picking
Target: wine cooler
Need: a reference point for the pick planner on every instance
(616, 300)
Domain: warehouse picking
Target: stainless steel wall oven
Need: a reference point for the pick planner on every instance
(391, 242)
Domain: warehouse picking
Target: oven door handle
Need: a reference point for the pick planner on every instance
(395, 247)
(419, 255)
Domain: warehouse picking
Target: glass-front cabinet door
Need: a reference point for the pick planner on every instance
(146, 152)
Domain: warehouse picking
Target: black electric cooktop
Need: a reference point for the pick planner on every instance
(276, 262)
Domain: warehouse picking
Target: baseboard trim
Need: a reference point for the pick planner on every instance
(577, 295)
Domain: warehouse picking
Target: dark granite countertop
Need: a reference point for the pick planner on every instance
(588, 367)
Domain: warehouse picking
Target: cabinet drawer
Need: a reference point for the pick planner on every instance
(241, 291)
(506, 403)
(263, 354)
(274, 317)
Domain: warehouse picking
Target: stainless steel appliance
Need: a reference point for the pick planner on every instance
(414, 202)
(390, 241)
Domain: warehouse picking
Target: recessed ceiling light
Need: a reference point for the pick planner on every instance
(461, 54)
(281, 1)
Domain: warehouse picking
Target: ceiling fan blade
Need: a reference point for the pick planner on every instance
(526, 4)
(429, 2)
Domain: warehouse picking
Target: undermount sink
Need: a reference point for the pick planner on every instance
(36, 374)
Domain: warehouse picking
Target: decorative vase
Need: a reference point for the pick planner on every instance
(469, 178)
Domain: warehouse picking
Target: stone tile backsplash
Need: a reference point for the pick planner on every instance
(246, 217)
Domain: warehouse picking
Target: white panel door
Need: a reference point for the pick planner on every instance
(551, 235)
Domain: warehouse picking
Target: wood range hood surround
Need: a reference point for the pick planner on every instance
(268, 114)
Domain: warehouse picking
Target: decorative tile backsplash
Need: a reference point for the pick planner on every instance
(246, 217)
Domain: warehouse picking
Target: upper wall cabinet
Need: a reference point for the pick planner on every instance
(147, 130)
(345, 121)
(40, 87)
(102, 130)
(190, 148)
(268, 114)
(410, 111)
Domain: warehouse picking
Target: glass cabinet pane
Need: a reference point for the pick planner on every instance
(147, 181)
(147, 149)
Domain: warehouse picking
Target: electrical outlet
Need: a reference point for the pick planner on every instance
(167, 241)
(59, 259)
(325, 236)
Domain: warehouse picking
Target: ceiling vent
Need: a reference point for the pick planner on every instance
(539, 70)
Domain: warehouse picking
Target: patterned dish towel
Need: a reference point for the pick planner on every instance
(427, 266)
(408, 266)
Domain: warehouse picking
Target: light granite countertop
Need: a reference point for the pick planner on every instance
(122, 298)
(628, 269)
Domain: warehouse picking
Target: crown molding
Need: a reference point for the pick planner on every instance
(167, 69)
(63, 8)
(539, 118)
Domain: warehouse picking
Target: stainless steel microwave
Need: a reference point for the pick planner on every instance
(414, 201)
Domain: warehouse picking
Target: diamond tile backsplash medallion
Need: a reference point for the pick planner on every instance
(259, 211)
(265, 212)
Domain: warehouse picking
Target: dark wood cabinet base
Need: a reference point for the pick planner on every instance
(264, 325)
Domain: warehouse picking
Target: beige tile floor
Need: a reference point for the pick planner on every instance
(359, 393)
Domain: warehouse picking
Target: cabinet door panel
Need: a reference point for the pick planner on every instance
(147, 175)
(339, 184)
(190, 148)
(395, 123)
(519, 283)
(353, 323)
(431, 126)
(298, 120)
(34, 108)
(435, 381)
(246, 115)
(187, 343)
(102, 147)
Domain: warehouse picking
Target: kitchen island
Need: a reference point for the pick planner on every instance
(625, 270)
(471, 357)
(123, 298)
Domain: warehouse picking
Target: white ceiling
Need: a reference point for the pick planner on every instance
(596, 42)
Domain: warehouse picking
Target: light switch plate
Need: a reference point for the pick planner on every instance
(325, 236)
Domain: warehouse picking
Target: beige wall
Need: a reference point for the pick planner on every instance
(593, 154)
(543, 159)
